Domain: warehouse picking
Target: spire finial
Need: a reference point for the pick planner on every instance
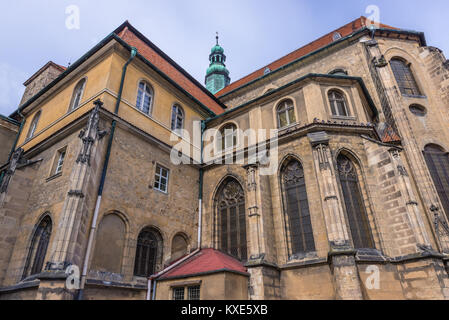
(217, 38)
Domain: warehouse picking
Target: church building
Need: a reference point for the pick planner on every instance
(123, 177)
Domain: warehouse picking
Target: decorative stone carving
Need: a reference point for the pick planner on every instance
(90, 134)
(16, 159)
(380, 62)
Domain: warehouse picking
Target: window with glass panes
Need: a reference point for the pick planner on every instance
(194, 293)
(177, 118)
(144, 97)
(404, 77)
(178, 293)
(60, 163)
(228, 137)
(161, 179)
(338, 104)
(286, 113)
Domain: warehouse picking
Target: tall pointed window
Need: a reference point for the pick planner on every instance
(297, 214)
(286, 113)
(438, 163)
(177, 119)
(404, 77)
(338, 103)
(33, 125)
(144, 97)
(228, 137)
(38, 248)
(231, 218)
(148, 252)
(357, 216)
(77, 95)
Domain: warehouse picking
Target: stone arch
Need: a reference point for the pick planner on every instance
(38, 245)
(230, 223)
(110, 243)
(149, 251)
(180, 246)
(297, 222)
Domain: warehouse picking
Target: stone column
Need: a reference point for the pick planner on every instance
(68, 247)
(405, 186)
(392, 105)
(342, 255)
(264, 279)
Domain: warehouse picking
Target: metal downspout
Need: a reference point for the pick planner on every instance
(153, 279)
(103, 176)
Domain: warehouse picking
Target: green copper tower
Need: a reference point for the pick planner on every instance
(217, 76)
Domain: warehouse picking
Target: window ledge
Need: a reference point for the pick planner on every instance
(53, 177)
(350, 118)
(414, 96)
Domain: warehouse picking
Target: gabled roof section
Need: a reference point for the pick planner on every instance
(206, 261)
(322, 42)
(163, 62)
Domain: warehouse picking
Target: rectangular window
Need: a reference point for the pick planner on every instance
(60, 163)
(161, 179)
(194, 293)
(178, 293)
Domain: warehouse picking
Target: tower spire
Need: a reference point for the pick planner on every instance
(217, 76)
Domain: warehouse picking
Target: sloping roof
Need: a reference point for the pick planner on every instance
(164, 63)
(344, 31)
(47, 65)
(206, 261)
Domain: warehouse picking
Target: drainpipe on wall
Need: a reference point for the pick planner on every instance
(103, 177)
(153, 279)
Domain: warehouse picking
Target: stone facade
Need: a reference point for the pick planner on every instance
(405, 220)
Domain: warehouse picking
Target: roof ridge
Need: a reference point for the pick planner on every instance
(355, 25)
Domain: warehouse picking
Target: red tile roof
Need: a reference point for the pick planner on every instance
(313, 46)
(159, 59)
(207, 260)
(390, 136)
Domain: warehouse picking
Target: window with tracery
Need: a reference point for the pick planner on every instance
(438, 163)
(353, 200)
(297, 213)
(232, 219)
(38, 248)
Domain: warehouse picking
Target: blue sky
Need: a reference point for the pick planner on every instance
(252, 32)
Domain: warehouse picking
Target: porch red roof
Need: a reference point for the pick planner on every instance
(205, 261)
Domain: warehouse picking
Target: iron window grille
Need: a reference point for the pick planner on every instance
(404, 77)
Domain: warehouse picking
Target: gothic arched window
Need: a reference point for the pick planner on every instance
(355, 208)
(286, 113)
(77, 94)
(228, 137)
(148, 252)
(38, 248)
(231, 219)
(144, 97)
(33, 125)
(404, 77)
(177, 118)
(297, 214)
(338, 103)
(438, 163)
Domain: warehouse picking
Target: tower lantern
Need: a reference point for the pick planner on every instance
(217, 76)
